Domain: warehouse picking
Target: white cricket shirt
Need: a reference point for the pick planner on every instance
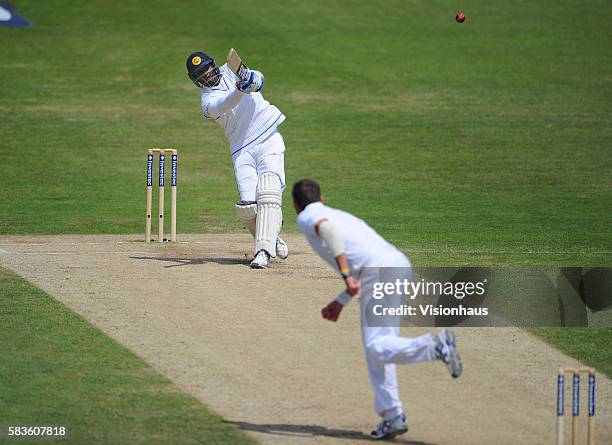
(251, 121)
(363, 246)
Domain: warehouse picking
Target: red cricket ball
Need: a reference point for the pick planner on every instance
(460, 17)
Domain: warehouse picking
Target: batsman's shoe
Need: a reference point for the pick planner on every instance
(388, 429)
(446, 350)
(282, 251)
(261, 260)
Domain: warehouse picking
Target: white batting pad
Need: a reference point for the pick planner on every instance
(269, 211)
(248, 216)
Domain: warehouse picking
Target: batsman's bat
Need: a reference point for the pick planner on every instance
(237, 65)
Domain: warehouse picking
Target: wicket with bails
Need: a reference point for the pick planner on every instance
(576, 374)
(162, 171)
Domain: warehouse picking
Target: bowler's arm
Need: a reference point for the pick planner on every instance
(332, 235)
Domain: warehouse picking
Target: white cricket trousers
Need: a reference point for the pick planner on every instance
(250, 162)
(384, 348)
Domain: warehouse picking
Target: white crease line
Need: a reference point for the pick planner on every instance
(84, 253)
(23, 244)
(408, 250)
(64, 244)
(126, 243)
(4, 251)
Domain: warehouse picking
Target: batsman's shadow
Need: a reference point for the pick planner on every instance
(284, 429)
(194, 261)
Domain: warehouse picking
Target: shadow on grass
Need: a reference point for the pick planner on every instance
(194, 261)
(314, 430)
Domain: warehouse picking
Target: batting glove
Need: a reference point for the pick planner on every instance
(254, 82)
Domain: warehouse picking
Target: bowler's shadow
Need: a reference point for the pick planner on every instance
(194, 261)
(314, 430)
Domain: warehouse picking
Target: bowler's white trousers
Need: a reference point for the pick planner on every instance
(384, 347)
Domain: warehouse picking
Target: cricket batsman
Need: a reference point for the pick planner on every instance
(258, 152)
(352, 248)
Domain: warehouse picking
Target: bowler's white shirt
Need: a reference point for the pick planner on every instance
(363, 246)
(251, 121)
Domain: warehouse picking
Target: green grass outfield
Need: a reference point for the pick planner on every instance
(57, 369)
(485, 143)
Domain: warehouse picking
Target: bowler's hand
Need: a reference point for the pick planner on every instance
(352, 286)
(332, 311)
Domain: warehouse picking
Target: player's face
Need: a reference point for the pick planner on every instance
(211, 77)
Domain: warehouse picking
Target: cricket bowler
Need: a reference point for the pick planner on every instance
(352, 247)
(257, 148)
